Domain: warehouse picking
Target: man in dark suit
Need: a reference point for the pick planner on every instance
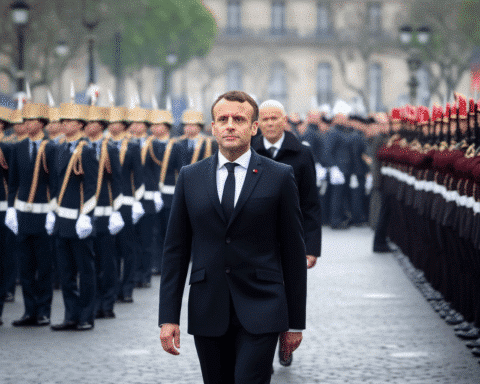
(236, 216)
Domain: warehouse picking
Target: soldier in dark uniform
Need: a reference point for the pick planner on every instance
(195, 145)
(150, 155)
(171, 162)
(4, 122)
(29, 184)
(131, 209)
(108, 220)
(75, 171)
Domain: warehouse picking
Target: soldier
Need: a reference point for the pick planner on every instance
(54, 127)
(4, 122)
(131, 209)
(108, 220)
(152, 200)
(76, 170)
(195, 145)
(171, 162)
(29, 185)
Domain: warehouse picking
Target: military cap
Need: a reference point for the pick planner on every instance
(54, 114)
(156, 116)
(71, 111)
(97, 113)
(117, 114)
(16, 116)
(35, 111)
(5, 114)
(192, 117)
(137, 115)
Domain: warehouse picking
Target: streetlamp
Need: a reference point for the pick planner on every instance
(19, 11)
(413, 40)
(171, 60)
(62, 50)
(90, 26)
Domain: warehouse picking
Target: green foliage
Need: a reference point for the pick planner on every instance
(469, 20)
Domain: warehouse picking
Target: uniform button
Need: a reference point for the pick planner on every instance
(227, 270)
(228, 240)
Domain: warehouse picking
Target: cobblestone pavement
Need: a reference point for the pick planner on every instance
(367, 323)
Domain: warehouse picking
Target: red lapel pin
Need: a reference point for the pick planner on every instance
(255, 171)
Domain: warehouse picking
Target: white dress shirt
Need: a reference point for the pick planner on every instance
(276, 145)
(240, 173)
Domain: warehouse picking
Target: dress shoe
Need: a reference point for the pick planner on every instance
(108, 314)
(127, 299)
(43, 321)
(65, 326)
(84, 326)
(476, 352)
(100, 314)
(25, 321)
(287, 362)
(382, 248)
(472, 334)
(9, 297)
(473, 344)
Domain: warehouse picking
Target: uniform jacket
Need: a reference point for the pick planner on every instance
(175, 163)
(21, 172)
(188, 151)
(257, 259)
(4, 167)
(86, 182)
(151, 172)
(338, 149)
(300, 157)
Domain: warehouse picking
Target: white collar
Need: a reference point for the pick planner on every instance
(277, 145)
(243, 160)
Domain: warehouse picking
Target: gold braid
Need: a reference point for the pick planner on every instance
(148, 147)
(36, 173)
(77, 168)
(166, 160)
(208, 148)
(196, 153)
(104, 165)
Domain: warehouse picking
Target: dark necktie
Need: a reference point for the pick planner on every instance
(272, 150)
(228, 197)
(33, 150)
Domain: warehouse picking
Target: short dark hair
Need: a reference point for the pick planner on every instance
(241, 97)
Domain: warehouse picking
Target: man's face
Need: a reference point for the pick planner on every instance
(93, 128)
(116, 128)
(33, 126)
(191, 130)
(272, 122)
(54, 127)
(232, 126)
(71, 127)
(20, 129)
(159, 129)
(137, 129)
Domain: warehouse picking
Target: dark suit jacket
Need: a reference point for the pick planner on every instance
(257, 259)
(300, 157)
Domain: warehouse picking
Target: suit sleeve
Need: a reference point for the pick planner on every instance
(310, 205)
(293, 254)
(176, 256)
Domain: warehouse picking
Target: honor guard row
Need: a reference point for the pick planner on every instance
(431, 179)
(86, 194)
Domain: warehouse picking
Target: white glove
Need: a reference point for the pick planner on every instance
(83, 226)
(157, 199)
(321, 173)
(50, 223)
(368, 183)
(137, 211)
(353, 182)
(115, 223)
(11, 220)
(336, 176)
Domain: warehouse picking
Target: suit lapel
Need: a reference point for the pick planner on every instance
(211, 178)
(254, 172)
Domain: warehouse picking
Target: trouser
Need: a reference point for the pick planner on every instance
(162, 221)
(36, 274)
(76, 259)
(56, 271)
(381, 229)
(106, 271)
(325, 202)
(11, 262)
(357, 201)
(127, 247)
(337, 204)
(145, 229)
(238, 357)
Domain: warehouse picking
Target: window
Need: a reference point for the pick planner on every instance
(234, 17)
(375, 87)
(324, 83)
(278, 17)
(323, 18)
(277, 88)
(374, 18)
(234, 76)
(423, 94)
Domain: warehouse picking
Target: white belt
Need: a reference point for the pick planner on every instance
(102, 211)
(128, 200)
(167, 189)
(67, 213)
(149, 195)
(3, 206)
(23, 206)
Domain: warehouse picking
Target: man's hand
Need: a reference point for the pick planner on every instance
(311, 261)
(170, 335)
(289, 342)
